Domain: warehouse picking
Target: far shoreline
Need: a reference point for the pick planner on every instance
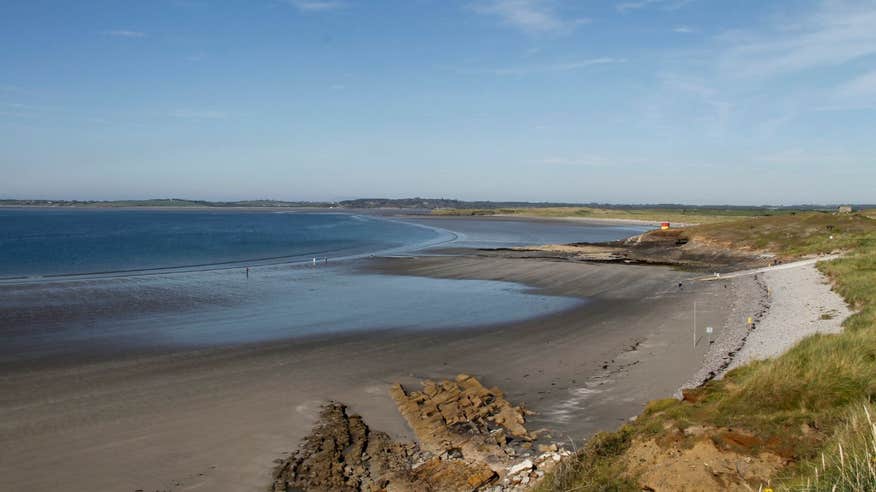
(266, 396)
(397, 213)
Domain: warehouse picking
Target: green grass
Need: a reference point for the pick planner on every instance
(692, 216)
(792, 235)
(598, 468)
(848, 461)
(816, 385)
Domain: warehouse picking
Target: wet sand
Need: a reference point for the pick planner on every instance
(216, 419)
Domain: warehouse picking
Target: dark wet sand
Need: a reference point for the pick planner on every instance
(216, 419)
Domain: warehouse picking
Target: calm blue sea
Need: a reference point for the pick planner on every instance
(80, 241)
(79, 282)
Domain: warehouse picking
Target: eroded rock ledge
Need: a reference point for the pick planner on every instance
(470, 438)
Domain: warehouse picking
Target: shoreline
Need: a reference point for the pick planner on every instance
(82, 420)
(535, 218)
(786, 304)
(397, 213)
(148, 421)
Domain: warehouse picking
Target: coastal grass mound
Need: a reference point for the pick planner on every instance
(679, 215)
(847, 463)
(790, 235)
(800, 407)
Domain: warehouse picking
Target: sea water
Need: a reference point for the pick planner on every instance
(58, 242)
(115, 281)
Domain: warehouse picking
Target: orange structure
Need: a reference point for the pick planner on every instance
(664, 225)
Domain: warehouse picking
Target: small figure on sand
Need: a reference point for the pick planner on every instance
(247, 272)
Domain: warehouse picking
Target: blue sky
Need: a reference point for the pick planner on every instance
(633, 101)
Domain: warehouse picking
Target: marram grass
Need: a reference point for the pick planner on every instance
(819, 384)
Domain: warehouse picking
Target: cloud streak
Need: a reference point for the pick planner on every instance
(316, 5)
(190, 114)
(835, 34)
(858, 93)
(547, 68)
(529, 16)
(125, 33)
(625, 7)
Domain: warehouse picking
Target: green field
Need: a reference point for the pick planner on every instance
(823, 384)
(678, 215)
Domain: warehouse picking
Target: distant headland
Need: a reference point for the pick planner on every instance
(400, 203)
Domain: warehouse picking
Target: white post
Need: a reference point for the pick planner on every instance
(695, 325)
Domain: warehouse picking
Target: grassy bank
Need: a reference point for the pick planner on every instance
(684, 216)
(797, 407)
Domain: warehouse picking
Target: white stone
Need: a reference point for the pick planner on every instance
(524, 465)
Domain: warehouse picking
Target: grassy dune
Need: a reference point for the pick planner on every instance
(692, 216)
(802, 405)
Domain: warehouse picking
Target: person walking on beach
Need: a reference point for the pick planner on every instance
(247, 273)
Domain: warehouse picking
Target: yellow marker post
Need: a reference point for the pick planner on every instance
(749, 321)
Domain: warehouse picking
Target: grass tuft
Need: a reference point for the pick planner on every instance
(847, 462)
(801, 405)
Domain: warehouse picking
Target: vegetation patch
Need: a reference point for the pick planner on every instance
(694, 215)
(800, 407)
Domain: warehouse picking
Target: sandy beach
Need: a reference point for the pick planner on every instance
(217, 419)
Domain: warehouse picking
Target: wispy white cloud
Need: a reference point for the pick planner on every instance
(577, 161)
(124, 33)
(861, 86)
(858, 93)
(833, 41)
(546, 68)
(683, 29)
(19, 110)
(805, 157)
(530, 16)
(55, 114)
(661, 4)
(317, 5)
(690, 85)
(703, 104)
(191, 114)
(836, 33)
(11, 89)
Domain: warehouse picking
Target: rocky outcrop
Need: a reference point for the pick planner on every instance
(470, 439)
(343, 454)
(462, 416)
(674, 247)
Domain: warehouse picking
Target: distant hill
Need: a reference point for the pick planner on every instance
(160, 202)
(398, 203)
(446, 203)
(435, 203)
